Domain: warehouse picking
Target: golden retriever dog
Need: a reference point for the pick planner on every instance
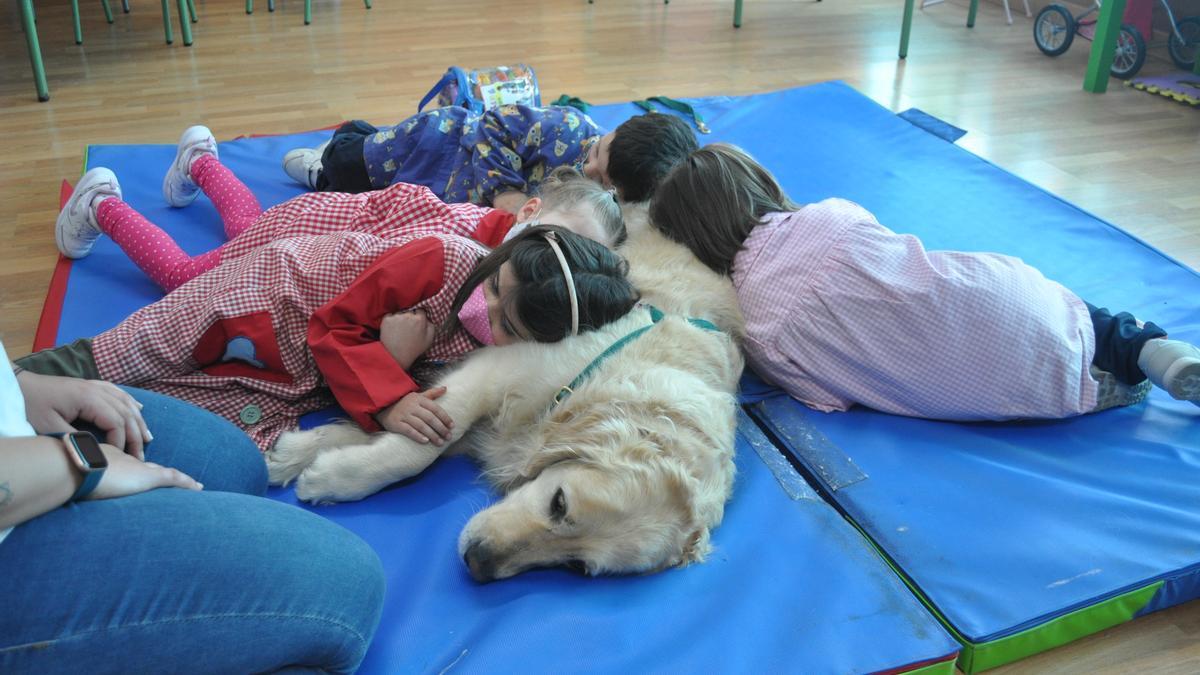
(626, 474)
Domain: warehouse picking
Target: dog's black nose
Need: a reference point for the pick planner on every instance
(481, 562)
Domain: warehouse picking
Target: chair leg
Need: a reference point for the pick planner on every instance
(35, 51)
(367, 3)
(270, 5)
(107, 11)
(1028, 14)
(249, 6)
(185, 26)
(1007, 13)
(166, 11)
(307, 12)
(125, 6)
(192, 10)
(75, 18)
(971, 13)
(737, 13)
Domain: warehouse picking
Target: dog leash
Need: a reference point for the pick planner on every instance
(656, 315)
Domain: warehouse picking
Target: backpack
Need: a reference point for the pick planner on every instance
(483, 89)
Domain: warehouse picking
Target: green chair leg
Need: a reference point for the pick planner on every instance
(107, 11)
(192, 10)
(270, 5)
(307, 12)
(125, 6)
(906, 28)
(166, 11)
(367, 3)
(35, 51)
(75, 18)
(737, 13)
(971, 13)
(185, 26)
(1104, 45)
(249, 6)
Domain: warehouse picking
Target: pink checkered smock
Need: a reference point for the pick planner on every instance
(841, 311)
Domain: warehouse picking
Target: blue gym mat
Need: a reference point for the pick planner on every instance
(790, 586)
(1022, 536)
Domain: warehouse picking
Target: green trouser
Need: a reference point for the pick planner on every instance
(73, 360)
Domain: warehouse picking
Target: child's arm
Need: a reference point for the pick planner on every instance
(361, 372)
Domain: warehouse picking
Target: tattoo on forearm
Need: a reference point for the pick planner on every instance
(5, 494)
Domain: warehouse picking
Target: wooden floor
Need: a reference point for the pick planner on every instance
(1126, 156)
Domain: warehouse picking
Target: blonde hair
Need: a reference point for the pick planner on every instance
(565, 189)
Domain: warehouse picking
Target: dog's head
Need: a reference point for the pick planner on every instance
(631, 511)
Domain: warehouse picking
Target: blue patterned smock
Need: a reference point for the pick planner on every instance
(466, 157)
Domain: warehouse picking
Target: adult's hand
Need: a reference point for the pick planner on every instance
(127, 475)
(53, 403)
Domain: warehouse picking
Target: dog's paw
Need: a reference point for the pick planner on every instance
(335, 477)
(292, 453)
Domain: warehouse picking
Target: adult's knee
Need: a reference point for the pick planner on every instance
(201, 444)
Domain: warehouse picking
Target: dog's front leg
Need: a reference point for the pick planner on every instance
(352, 472)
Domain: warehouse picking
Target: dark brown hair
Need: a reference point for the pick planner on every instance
(565, 189)
(541, 302)
(713, 199)
(643, 149)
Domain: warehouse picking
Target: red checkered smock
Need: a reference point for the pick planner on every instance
(234, 339)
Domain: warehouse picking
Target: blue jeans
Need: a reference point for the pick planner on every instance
(219, 581)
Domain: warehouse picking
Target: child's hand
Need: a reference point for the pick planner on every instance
(407, 335)
(418, 417)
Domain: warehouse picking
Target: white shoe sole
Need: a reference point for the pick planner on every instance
(1182, 380)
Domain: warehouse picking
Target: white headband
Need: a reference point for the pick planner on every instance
(562, 260)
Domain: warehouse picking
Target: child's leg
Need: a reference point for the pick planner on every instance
(343, 168)
(1134, 353)
(238, 207)
(1119, 342)
(149, 247)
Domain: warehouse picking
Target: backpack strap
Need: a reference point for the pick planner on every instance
(449, 77)
(677, 106)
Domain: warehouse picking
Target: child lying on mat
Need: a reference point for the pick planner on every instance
(841, 310)
(495, 158)
(258, 337)
(96, 208)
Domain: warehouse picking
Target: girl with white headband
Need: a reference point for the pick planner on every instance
(268, 336)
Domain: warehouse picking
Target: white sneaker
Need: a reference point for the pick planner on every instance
(76, 229)
(1174, 366)
(178, 187)
(303, 165)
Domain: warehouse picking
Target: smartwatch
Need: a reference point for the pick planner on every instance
(85, 453)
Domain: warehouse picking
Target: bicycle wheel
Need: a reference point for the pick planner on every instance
(1130, 53)
(1184, 53)
(1053, 30)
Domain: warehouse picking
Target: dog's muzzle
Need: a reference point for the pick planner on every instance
(481, 561)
